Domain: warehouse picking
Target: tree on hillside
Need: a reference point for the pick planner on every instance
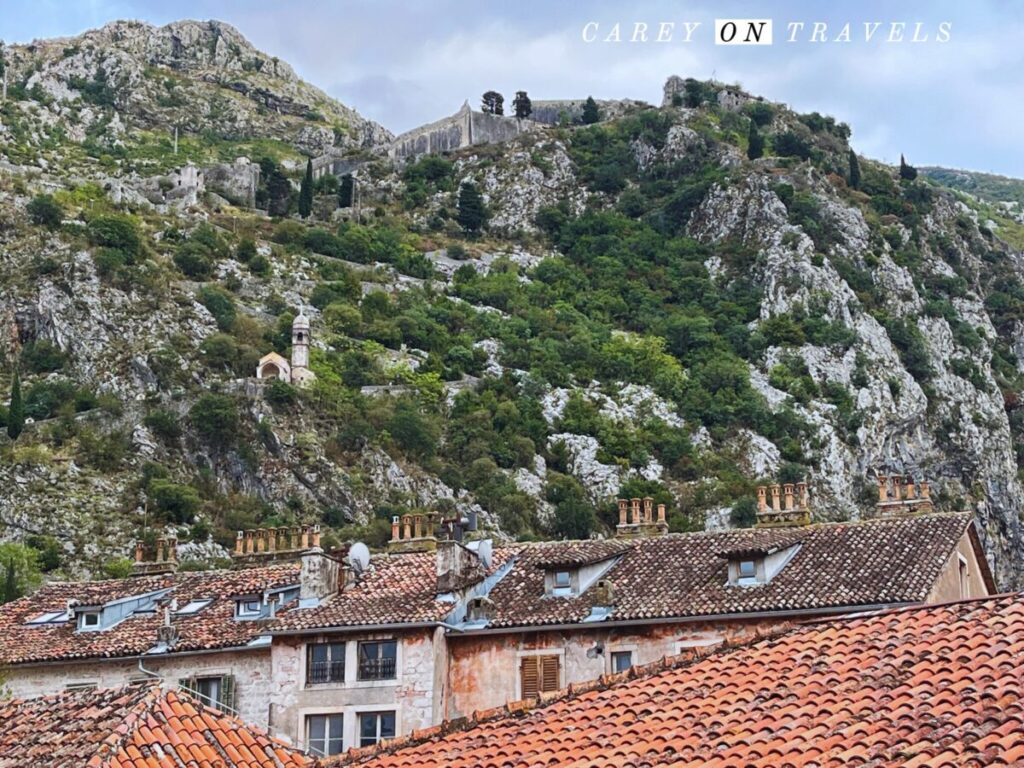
(44, 211)
(16, 410)
(277, 192)
(345, 191)
(522, 104)
(907, 171)
(472, 214)
(493, 103)
(854, 180)
(755, 142)
(591, 114)
(306, 191)
(21, 572)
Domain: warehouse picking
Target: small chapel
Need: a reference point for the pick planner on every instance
(297, 372)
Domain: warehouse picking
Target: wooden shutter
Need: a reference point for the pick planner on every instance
(228, 698)
(549, 677)
(538, 674)
(529, 673)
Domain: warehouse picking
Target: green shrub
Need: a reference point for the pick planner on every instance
(179, 503)
(194, 260)
(42, 356)
(163, 424)
(44, 211)
(221, 305)
(246, 250)
(280, 394)
(260, 265)
(103, 452)
(116, 231)
(215, 419)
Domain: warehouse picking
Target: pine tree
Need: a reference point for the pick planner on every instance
(854, 180)
(591, 114)
(16, 410)
(522, 105)
(471, 215)
(493, 103)
(907, 171)
(345, 191)
(306, 191)
(755, 142)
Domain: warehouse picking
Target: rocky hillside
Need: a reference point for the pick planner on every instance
(682, 301)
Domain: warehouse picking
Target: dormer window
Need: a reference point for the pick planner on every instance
(88, 620)
(746, 571)
(563, 582)
(249, 609)
(751, 566)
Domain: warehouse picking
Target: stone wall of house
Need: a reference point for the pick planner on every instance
(236, 182)
(954, 584)
(251, 670)
(484, 669)
(414, 695)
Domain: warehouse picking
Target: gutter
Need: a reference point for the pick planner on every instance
(581, 625)
(140, 657)
(350, 628)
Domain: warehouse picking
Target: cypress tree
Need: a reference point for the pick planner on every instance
(345, 191)
(591, 114)
(471, 214)
(306, 191)
(11, 591)
(522, 104)
(907, 171)
(16, 411)
(854, 171)
(755, 142)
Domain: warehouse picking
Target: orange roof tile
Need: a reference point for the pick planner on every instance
(137, 726)
(932, 686)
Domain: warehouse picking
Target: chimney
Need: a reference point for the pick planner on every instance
(457, 566)
(267, 545)
(318, 577)
(902, 496)
(414, 532)
(790, 506)
(160, 559)
(637, 520)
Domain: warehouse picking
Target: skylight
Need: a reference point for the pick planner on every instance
(52, 617)
(194, 606)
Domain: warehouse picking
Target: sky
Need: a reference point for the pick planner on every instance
(958, 103)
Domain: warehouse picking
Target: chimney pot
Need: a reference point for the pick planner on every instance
(762, 502)
(801, 492)
(788, 490)
(407, 522)
(776, 501)
(897, 487)
(926, 492)
(172, 549)
(883, 488)
(648, 509)
(316, 535)
(623, 511)
(239, 542)
(910, 488)
(661, 513)
(635, 510)
(395, 522)
(140, 551)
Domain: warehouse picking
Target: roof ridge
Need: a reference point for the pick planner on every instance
(860, 615)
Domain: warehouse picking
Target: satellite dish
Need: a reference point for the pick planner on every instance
(485, 551)
(359, 557)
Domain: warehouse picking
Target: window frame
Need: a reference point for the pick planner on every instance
(85, 626)
(333, 648)
(361, 663)
(618, 653)
(327, 739)
(242, 611)
(538, 658)
(377, 716)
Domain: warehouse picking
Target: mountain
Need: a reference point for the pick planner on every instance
(653, 306)
(990, 187)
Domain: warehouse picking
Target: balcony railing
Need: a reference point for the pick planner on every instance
(326, 672)
(377, 669)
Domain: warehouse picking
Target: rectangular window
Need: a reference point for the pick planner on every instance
(378, 659)
(324, 734)
(563, 579)
(89, 620)
(217, 691)
(325, 663)
(538, 674)
(375, 726)
(249, 609)
(621, 660)
(748, 569)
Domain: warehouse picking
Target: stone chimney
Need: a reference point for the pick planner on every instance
(263, 545)
(789, 506)
(161, 558)
(457, 566)
(318, 577)
(637, 519)
(414, 533)
(902, 496)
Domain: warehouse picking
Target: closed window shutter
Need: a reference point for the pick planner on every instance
(188, 684)
(227, 693)
(549, 673)
(529, 673)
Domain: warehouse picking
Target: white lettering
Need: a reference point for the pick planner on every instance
(590, 32)
(794, 27)
(896, 31)
(615, 35)
(945, 31)
(818, 34)
(917, 34)
(639, 33)
(870, 27)
(665, 32)
(844, 34)
(691, 27)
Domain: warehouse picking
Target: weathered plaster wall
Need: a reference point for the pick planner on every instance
(414, 695)
(948, 586)
(484, 669)
(251, 670)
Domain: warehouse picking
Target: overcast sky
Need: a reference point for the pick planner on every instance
(957, 104)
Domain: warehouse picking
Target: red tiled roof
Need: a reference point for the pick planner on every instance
(137, 726)
(838, 565)
(398, 589)
(939, 685)
(212, 627)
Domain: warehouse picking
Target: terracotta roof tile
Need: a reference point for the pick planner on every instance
(937, 686)
(137, 726)
(212, 627)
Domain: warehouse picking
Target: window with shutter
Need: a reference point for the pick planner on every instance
(228, 695)
(539, 674)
